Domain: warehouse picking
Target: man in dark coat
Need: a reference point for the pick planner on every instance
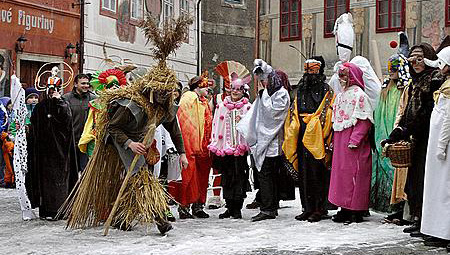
(53, 166)
(78, 100)
(415, 123)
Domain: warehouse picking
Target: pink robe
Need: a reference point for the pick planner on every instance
(351, 168)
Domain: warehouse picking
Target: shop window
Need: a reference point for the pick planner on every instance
(332, 10)
(390, 15)
(290, 20)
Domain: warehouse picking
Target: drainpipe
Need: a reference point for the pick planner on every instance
(257, 30)
(199, 38)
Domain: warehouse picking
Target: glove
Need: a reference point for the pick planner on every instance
(441, 155)
(396, 135)
(385, 141)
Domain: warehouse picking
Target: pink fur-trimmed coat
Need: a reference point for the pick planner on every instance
(221, 138)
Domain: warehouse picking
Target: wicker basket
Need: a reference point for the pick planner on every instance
(400, 154)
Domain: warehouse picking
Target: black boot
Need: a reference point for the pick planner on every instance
(315, 217)
(415, 227)
(436, 242)
(164, 227)
(225, 215)
(262, 216)
(184, 213)
(197, 211)
(236, 210)
(304, 216)
(342, 216)
(253, 205)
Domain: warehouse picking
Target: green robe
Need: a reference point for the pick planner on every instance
(382, 170)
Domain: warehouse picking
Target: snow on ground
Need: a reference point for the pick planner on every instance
(205, 236)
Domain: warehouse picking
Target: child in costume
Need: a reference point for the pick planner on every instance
(230, 148)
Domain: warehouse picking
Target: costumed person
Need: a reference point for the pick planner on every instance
(351, 165)
(382, 196)
(344, 34)
(414, 125)
(262, 128)
(308, 137)
(224, 69)
(230, 147)
(436, 194)
(117, 185)
(109, 79)
(53, 170)
(7, 144)
(19, 127)
(78, 100)
(195, 118)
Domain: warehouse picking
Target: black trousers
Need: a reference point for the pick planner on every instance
(269, 185)
(314, 183)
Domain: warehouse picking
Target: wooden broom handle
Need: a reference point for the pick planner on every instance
(148, 137)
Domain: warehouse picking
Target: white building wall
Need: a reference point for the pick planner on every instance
(100, 29)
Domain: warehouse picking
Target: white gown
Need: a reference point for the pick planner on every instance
(436, 198)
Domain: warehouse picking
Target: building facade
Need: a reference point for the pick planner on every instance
(111, 30)
(35, 32)
(228, 33)
(308, 25)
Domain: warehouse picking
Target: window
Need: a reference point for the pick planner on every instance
(109, 5)
(109, 8)
(184, 10)
(262, 7)
(233, 1)
(390, 15)
(168, 9)
(184, 7)
(447, 12)
(290, 20)
(136, 9)
(333, 9)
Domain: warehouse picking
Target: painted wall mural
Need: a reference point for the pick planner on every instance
(124, 29)
(154, 8)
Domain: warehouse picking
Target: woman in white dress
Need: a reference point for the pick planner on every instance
(436, 198)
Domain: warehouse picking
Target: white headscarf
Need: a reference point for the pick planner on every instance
(372, 85)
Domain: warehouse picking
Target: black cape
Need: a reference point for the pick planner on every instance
(53, 168)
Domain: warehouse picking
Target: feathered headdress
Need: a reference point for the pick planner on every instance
(226, 68)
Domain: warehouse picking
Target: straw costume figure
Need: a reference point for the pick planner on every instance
(117, 185)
